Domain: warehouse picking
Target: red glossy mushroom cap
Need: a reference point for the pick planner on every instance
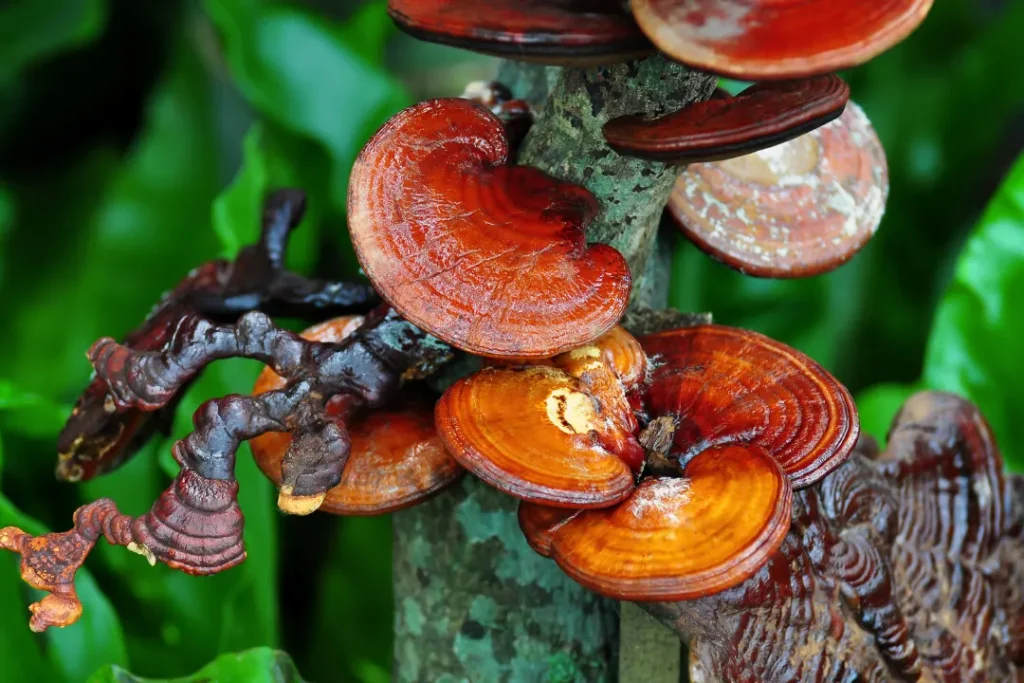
(396, 458)
(490, 258)
(536, 433)
(758, 40)
(578, 32)
(726, 385)
(761, 116)
(798, 209)
(682, 538)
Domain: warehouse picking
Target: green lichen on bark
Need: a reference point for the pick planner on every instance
(567, 142)
(473, 602)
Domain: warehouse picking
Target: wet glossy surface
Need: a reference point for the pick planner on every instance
(549, 31)
(396, 458)
(901, 566)
(799, 209)
(767, 39)
(539, 524)
(681, 538)
(727, 385)
(536, 433)
(763, 115)
(490, 258)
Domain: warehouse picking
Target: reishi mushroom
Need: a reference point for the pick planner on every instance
(679, 538)
(718, 385)
(488, 257)
(573, 32)
(763, 115)
(395, 460)
(798, 209)
(757, 40)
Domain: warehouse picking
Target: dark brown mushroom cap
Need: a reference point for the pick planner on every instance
(801, 208)
(537, 434)
(578, 32)
(682, 538)
(396, 458)
(490, 258)
(763, 115)
(726, 385)
(757, 40)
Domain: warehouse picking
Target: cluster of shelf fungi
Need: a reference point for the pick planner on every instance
(710, 473)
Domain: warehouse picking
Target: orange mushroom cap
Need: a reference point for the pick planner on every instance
(763, 115)
(535, 433)
(540, 522)
(396, 458)
(726, 385)
(488, 257)
(680, 538)
(576, 32)
(758, 40)
(801, 208)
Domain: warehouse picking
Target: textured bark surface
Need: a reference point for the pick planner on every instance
(472, 601)
(906, 565)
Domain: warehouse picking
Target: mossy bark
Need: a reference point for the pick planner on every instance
(472, 601)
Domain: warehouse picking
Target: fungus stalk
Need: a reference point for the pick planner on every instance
(470, 595)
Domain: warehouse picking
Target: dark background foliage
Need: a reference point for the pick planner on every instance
(136, 140)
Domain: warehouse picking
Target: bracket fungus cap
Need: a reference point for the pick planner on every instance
(727, 385)
(682, 538)
(535, 433)
(801, 208)
(396, 458)
(568, 32)
(488, 257)
(763, 115)
(757, 40)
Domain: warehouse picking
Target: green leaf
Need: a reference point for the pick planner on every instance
(30, 414)
(31, 30)
(975, 344)
(269, 162)
(309, 76)
(74, 652)
(260, 665)
(878, 406)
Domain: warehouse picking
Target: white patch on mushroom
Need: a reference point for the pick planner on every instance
(663, 498)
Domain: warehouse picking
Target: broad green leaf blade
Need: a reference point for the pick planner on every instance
(31, 30)
(260, 665)
(975, 348)
(302, 72)
(30, 414)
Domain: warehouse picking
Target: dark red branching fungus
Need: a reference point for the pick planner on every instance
(762, 116)
(489, 257)
(196, 525)
(98, 438)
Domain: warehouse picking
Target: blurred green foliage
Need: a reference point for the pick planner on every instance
(136, 140)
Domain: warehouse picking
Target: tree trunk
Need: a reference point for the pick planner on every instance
(472, 601)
